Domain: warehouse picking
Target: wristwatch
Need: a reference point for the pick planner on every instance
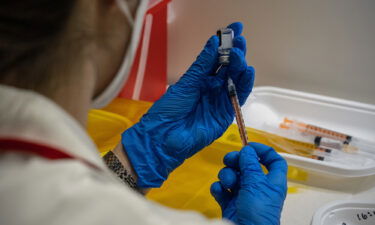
(115, 165)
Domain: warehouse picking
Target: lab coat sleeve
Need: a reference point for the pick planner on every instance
(38, 191)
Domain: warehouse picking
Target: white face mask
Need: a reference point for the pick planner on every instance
(113, 89)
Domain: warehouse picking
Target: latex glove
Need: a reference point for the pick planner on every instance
(247, 195)
(193, 113)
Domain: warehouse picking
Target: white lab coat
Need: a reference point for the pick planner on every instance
(36, 190)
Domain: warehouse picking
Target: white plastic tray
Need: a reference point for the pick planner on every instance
(271, 105)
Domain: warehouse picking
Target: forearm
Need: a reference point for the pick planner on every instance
(123, 158)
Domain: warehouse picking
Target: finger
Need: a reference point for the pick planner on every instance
(231, 159)
(228, 178)
(249, 165)
(237, 28)
(275, 164)
(237, 64)
(221, 195)
(245, 84)
(240, 42)
(204, 65)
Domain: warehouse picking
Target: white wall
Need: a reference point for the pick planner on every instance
(319, 46)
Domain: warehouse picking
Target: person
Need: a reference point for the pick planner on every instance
(60, 58)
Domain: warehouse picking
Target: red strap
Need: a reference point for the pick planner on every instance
(44, 151)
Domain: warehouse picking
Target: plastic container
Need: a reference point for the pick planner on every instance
(345, 213)
(270, 105)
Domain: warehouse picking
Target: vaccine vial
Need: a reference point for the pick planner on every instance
(226, 43)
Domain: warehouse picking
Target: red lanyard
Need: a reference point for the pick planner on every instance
(41, 150)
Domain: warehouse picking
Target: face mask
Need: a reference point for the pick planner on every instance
(113, 89)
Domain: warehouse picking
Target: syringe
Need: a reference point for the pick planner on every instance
(237, 109)
(226, 43)
(341, 158)
(326, 138)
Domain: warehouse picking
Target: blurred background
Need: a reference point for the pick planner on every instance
(323, 46)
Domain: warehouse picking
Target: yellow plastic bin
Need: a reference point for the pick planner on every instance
(105, 126)
(105, 129)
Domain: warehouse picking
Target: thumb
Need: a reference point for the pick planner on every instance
(249, 165)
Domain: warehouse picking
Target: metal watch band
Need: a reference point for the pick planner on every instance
(115, 165)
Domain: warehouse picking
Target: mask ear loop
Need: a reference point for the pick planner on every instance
(126, 10)
(112, 90)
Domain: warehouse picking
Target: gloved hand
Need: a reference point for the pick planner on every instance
(247, 195)
(193, 113)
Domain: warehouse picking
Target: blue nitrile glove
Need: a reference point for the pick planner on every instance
(247, 195)
(193, 113)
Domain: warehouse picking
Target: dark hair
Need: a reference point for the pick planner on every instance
(28, 29)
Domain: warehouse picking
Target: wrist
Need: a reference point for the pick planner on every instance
(121, 155)
(119, 163)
